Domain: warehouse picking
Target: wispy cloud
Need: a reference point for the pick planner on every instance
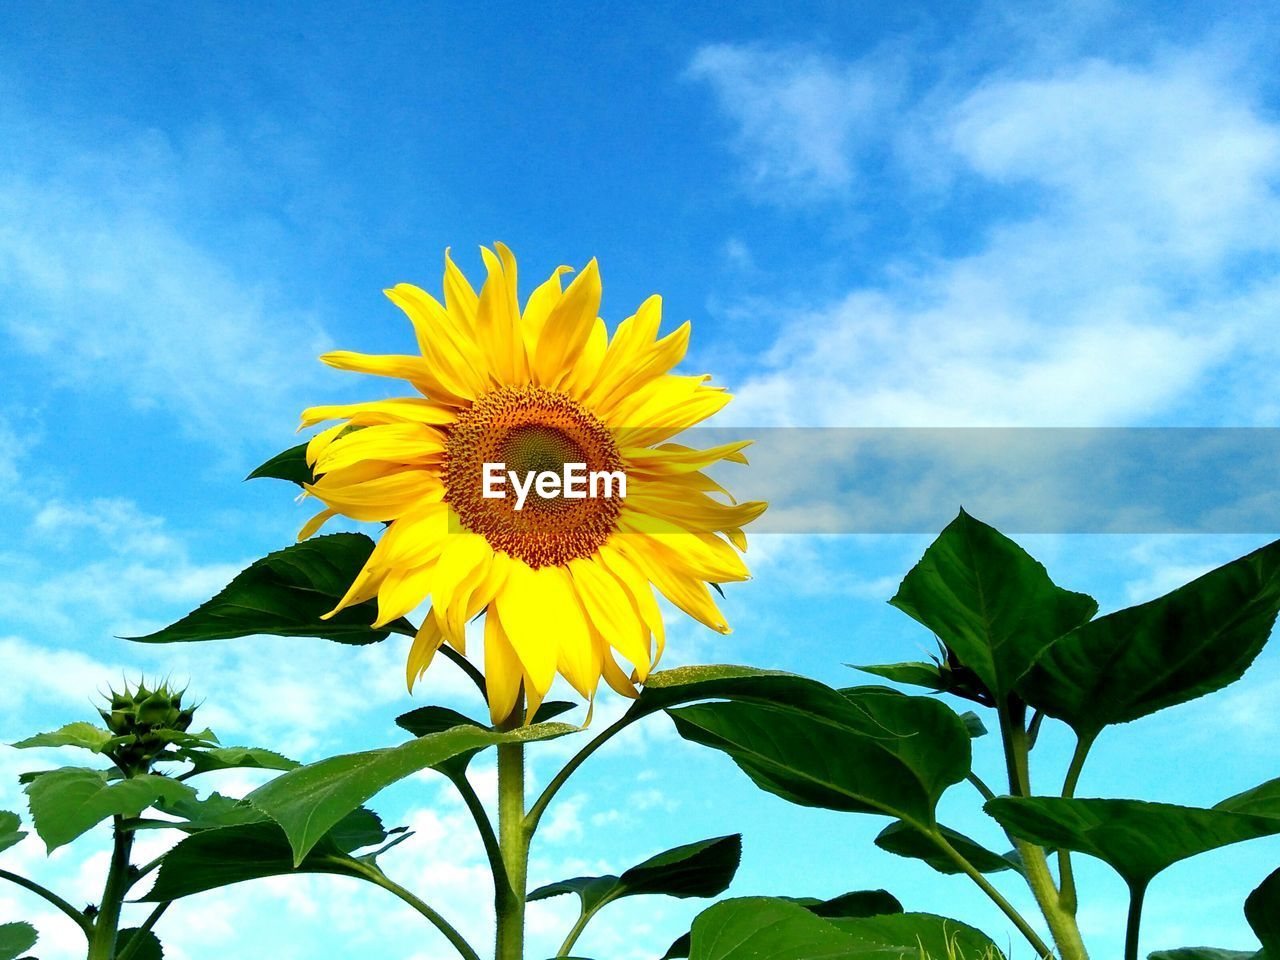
(113, 280)
(1121, 293)
(801, 119)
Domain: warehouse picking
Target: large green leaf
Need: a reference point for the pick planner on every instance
(761, 928)
(147, 946)
(232, 758)
(1188, 643)
(856, 903)
(906, 936)
(9, 829)
(917, 673)
(700, 869)
(67, 802)
(1204, 953)
(16, 939)
(285, 594)
(680, 685)
(1262, 910)
(877, 751)
(309, 801)
(435, 719)
(906, 841)
(288, 465)
(989, 601)
(1136, 838)
(79, 734)
(226, 855)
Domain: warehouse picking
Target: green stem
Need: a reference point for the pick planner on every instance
(583, 919)
(1136, 894)
(466, 666)
(513, 841)
(376, 876)
(492, 848)
(150, 922)
(102, 942)
(80, 920)
(1062, 924)
(981, 786)
(544, 799)
(1068, 897)
(1042, 949)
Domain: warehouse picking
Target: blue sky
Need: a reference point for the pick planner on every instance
(917, 216)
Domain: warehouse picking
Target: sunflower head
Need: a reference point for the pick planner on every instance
(146, 721)
(531, 476)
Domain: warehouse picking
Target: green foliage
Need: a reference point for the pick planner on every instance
(16, 939)
(906, 841)
(249, 851)
(287, 594)
(1190, 642)
(9, 832)
(875, 751)
(67, 802)
(78, 734)
(700, 869)
(755, 927)
(1136, 838)
(288, 465)
(309, 801)
(989, 602)
(1262, 910)
(135, 944)
(229, 758)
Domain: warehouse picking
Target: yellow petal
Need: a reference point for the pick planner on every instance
(402, 443)
(425, 644)
(503, 673)
(459, 298)
(568, 327)
(315, 523)
(525, 620)
(611, 611)
(398, 410)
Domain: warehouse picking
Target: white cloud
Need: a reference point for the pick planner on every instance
(1116, 297)
(801, 118)
(110, 278)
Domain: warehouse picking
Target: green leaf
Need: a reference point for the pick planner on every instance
(973, 723)
(16, 939)
(916, 673)
(1188, 643)
(213, 811)
(760, 928)
(876, 752)
(906, 841)
(231, 758)
(288, 465)
(67, 802)
(1262, 910)
(307, 802)
(1136, 838)
(9, 832)
(680, 685)
(285, 594)
(856, 903)
(226, 855)
(989, 601)
(148, 947)
(1204, 953)
(756, 928)
(700, 869)
(79, 734)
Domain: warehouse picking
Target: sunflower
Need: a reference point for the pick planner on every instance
(566, 584)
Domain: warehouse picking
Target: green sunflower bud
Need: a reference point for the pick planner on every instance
(146, 721)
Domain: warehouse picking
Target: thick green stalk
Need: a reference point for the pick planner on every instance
(1041, 948)
(1062, 923)
(513, 840)
(1068, 897)
(1136, 895)
(102, 943)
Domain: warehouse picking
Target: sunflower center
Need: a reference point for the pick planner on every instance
(531, 430)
